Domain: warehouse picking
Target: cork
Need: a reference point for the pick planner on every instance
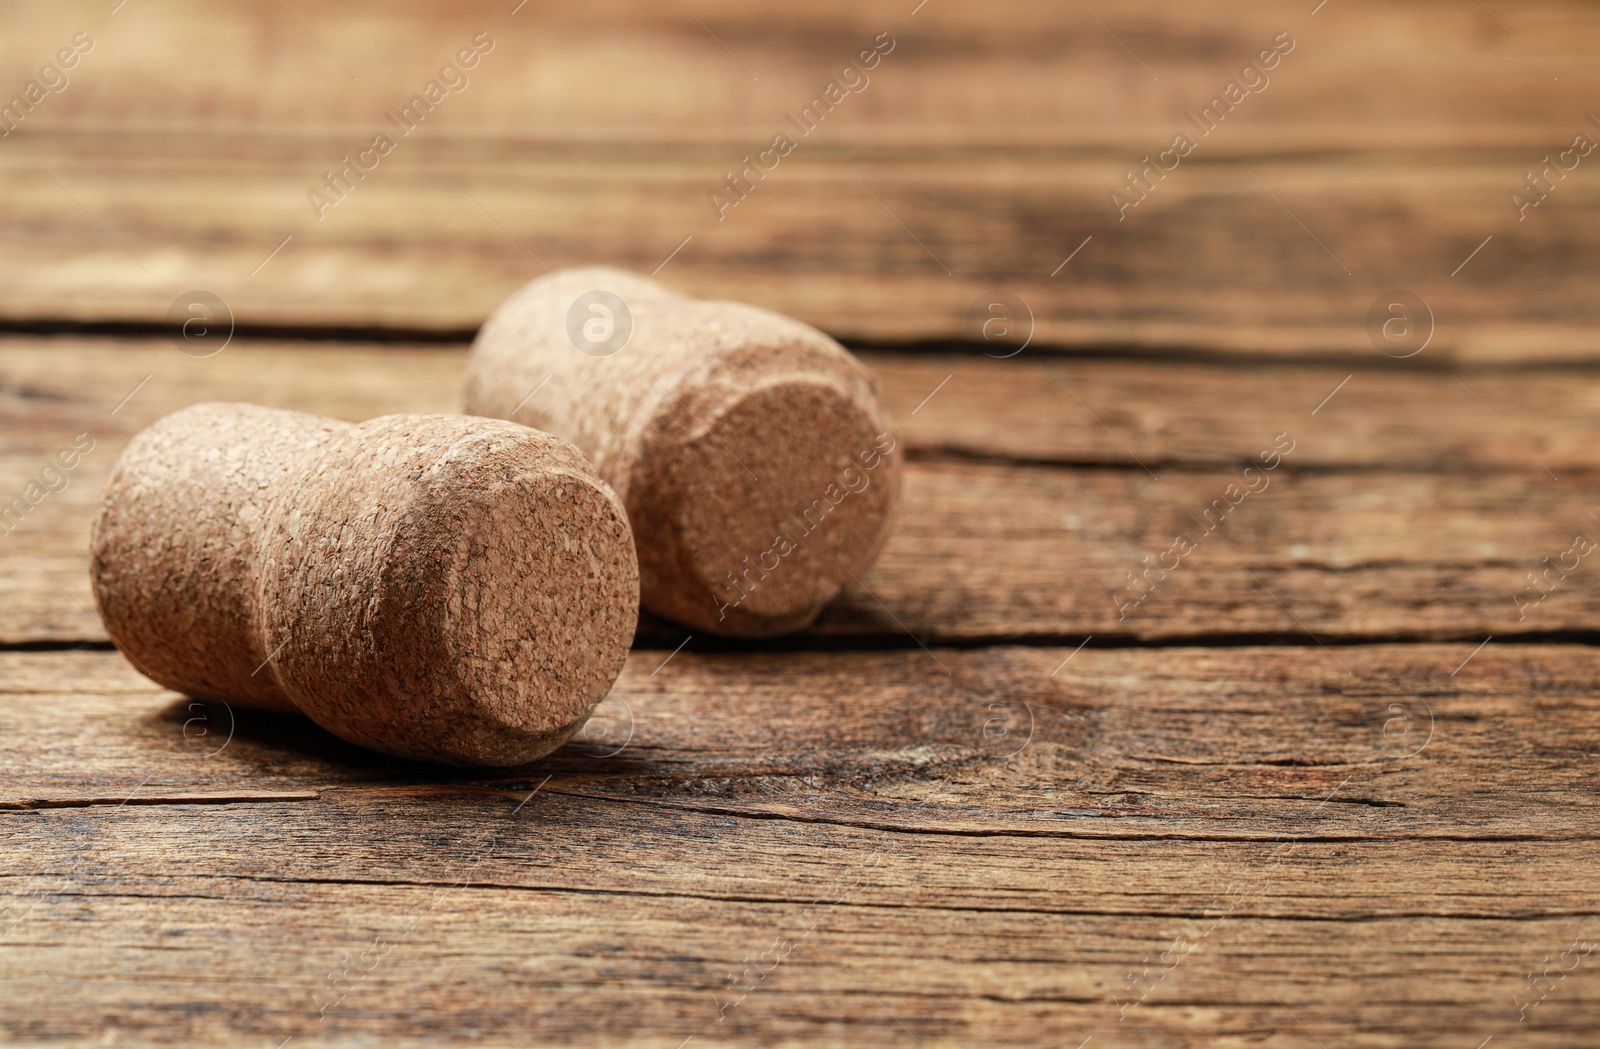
(436, 587)
(757, 467)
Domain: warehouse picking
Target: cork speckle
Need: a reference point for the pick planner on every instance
(718, 424)
(407, 582)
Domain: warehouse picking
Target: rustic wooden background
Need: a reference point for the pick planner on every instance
(1331, 783)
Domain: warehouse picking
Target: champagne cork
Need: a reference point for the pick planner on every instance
(435, 587)
(757, 467)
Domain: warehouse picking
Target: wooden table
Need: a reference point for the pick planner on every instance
(1329, 781)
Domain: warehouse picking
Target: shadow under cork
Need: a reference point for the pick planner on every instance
(274, 746)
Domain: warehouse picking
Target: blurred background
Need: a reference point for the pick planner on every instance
(974, 157)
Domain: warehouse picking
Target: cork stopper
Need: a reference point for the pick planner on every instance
(434, 587)
(758, 470)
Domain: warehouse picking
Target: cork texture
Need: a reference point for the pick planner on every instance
(443, 588)
(758, 469)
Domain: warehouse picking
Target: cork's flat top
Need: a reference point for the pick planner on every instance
(543, 605)
(778, 501)
(450, 588)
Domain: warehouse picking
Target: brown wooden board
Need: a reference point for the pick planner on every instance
(982, 153)
(1380, 860)
(1031, 408)
(1011, 71)
(1366, 743)
(1214, 264)
(1408, 507)
(1330, 783)
(247, 960)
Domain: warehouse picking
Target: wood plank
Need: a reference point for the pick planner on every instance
(150, 178)
(1346, 414)
(1377, 891)
(1012, 72)
(958, 842)
(153, 963)
(999, 551)
(1183, 743)
(1212, 264)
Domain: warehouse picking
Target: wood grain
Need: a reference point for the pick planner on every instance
(1347, 414)
(983, 153)
(542, 967)
(1365, 74)
(1212, 264)
(1249, 799)
(1181, 743)
(1330, 783)
(1376, 525)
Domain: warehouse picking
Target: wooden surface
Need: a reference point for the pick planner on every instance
(1331, 783)
(981, 153)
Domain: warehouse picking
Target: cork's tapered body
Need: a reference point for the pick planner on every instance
(757, 467)
(436, 587)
